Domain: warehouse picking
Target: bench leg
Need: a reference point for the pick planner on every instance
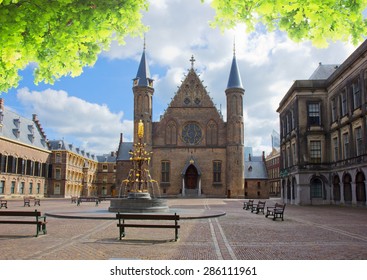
(122, 232)
(44, 229)
(176, 234)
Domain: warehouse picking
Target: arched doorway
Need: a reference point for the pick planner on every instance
(360, 187)
(316, 188)
(191, 178)
(336, 188)
(347, 185)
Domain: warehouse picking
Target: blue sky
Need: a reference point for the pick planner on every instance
(92, 110)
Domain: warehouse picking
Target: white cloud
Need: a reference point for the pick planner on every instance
(268, 62)
(92, 126)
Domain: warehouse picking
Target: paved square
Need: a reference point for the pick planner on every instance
(307, 232)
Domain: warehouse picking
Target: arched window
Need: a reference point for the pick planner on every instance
(211, 133)
(316, 188)
(171, 133)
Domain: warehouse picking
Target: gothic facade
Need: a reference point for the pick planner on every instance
(194, 151)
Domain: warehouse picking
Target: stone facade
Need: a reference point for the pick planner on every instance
(195, 152)
(24, 156)
(324, 135)
(273, 168)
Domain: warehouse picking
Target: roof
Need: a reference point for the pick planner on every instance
(143, 75)
(255, 169)
(124, 149)
(234, 80)
(107, 158)
(323, 71)
(62, 145)
(20, 129)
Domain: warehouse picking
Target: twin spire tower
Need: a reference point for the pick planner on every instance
(194, 150)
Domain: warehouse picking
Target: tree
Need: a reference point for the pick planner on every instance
(61, 36)
(316, 20)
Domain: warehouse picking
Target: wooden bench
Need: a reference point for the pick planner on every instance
(276, 211)
(87, 199)
(155, 217)
(259, 207)
(39, 221)
(248, 204)
(27, 201)
(3, 203)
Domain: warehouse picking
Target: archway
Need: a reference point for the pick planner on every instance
(336, 188)
(316, 188)
(347, 184)
(360, 187)
(191, 178)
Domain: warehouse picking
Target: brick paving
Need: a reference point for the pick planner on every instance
(308, 232)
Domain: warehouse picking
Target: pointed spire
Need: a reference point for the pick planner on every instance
(143, 75)
(234, 80)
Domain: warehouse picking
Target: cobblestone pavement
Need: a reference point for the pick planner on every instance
(307, 232)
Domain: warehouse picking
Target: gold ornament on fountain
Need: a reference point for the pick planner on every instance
(140, 129)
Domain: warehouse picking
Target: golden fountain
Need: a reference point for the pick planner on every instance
(140, 193)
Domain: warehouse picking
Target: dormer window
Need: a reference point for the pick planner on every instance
(16, 132)
(17, 123)
(31, 138)
(31, 128)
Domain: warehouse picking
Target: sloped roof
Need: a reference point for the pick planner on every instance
(62, 145)
(20, 129)
(323, 71)
(107, 158)
(255, 169)
(124, 149)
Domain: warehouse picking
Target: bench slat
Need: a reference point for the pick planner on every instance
(22, 222)
(148, 226)
(20, 213)
(146, 217)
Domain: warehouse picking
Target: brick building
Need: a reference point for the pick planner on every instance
(195, 152)
(256, 177)
(24, 155)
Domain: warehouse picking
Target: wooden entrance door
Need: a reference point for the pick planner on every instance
(191, 177)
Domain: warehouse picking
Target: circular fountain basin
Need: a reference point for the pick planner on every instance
(138, 203)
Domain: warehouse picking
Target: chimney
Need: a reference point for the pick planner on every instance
(263, 155)
(249, 157)
(121, 138)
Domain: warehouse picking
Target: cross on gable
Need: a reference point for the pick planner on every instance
(192, 60)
